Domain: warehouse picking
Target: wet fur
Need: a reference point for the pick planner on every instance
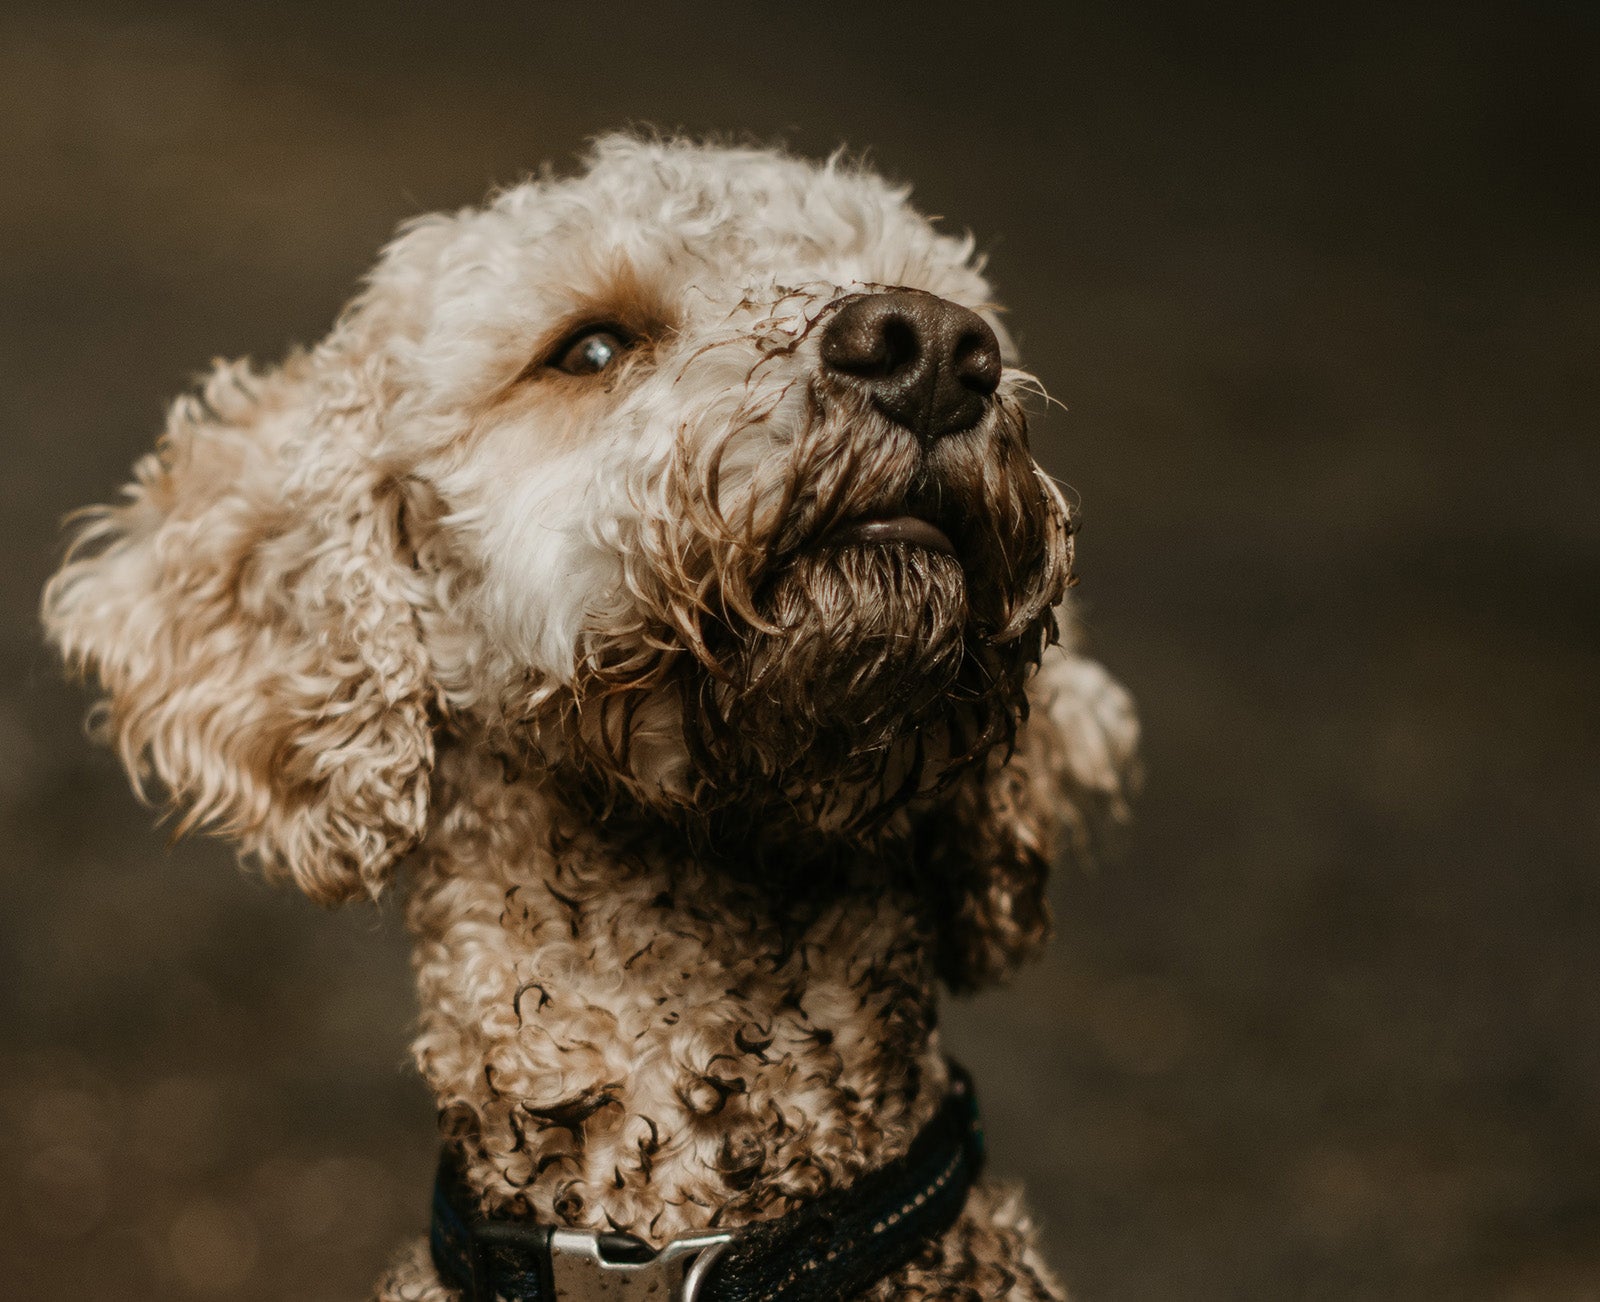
(699, 808)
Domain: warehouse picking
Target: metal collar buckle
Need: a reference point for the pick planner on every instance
(590, 1267)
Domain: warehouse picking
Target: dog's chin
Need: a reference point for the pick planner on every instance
(822, 710)
(860, 680)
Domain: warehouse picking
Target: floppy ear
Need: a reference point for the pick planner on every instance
(991, 844)
(254, 625)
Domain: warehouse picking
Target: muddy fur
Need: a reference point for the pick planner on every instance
(699, 804)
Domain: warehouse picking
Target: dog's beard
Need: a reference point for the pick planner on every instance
(825, 707)
(769, 683)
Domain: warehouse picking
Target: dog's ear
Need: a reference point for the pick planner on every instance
(992, 842)
(253, 621)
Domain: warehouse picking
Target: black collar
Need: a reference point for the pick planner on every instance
(837, 1246)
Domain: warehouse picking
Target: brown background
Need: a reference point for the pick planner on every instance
(1318, 287)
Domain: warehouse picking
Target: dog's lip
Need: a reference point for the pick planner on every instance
(895, 529)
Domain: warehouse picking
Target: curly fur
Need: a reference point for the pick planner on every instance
(700, 807)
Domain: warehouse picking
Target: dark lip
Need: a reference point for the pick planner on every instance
(895, 529)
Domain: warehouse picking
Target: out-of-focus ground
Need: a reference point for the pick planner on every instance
(1318, 287)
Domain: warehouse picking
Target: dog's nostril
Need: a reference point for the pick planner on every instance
(899, 345)
(870, 345)
(977, 362)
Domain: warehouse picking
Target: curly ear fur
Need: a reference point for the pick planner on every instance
(248, 613)
(992, 843)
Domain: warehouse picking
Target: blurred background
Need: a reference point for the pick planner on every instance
(1317, 286)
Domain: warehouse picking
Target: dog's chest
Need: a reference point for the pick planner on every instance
(645, 1049)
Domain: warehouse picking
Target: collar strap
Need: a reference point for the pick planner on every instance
(836, 1246)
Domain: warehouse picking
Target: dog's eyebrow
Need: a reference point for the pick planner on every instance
(626, 295)
(621, 297)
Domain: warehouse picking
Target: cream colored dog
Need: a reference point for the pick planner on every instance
(655, 560)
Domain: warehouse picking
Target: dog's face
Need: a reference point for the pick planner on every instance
(727, 444)
(699, 480)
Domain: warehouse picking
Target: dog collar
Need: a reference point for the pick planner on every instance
(837, 1246)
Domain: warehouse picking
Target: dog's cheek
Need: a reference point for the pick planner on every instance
(523, 516)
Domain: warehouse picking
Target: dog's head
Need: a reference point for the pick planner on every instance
(700, 480)
(729, 448)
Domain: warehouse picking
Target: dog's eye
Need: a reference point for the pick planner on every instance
(594, 350)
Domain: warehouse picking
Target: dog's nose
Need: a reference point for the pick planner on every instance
(927, 363)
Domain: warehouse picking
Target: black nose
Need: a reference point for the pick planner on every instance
(927, 363)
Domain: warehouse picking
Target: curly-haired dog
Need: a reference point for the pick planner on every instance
(655, 559)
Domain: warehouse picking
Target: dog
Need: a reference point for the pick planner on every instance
(654, 561)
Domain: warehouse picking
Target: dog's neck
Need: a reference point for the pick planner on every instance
(623, 1036)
